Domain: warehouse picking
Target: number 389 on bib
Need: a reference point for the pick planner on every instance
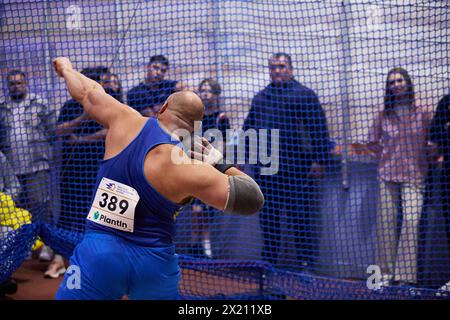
(114, 205)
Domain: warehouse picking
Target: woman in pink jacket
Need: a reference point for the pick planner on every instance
(400, 138)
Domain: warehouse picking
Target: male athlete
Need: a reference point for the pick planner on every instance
(142, 182)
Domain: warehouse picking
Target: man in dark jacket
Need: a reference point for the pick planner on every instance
(440, 134)
(150, 95)
(295, 110)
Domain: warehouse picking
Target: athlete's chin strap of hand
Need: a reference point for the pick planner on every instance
(244, 195)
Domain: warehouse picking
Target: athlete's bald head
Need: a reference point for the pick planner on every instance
(181, 110)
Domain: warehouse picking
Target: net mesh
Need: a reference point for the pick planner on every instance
(354, 195)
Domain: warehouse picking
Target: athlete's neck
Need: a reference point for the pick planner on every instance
(168, 129)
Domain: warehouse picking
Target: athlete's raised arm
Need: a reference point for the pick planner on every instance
(96, 102)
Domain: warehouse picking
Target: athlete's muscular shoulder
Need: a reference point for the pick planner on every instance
(161, 168)
(121, 133)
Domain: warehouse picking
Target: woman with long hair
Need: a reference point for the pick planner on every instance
(400, 138)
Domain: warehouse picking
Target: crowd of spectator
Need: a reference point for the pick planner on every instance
(406, 136)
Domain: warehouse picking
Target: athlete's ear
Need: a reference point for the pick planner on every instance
(163, 108)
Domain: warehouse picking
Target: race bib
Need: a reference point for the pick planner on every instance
(114, 205)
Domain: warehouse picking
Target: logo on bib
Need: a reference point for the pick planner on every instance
(110, 186)
(96, 214)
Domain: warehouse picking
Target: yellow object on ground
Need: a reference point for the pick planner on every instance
(13, 217)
